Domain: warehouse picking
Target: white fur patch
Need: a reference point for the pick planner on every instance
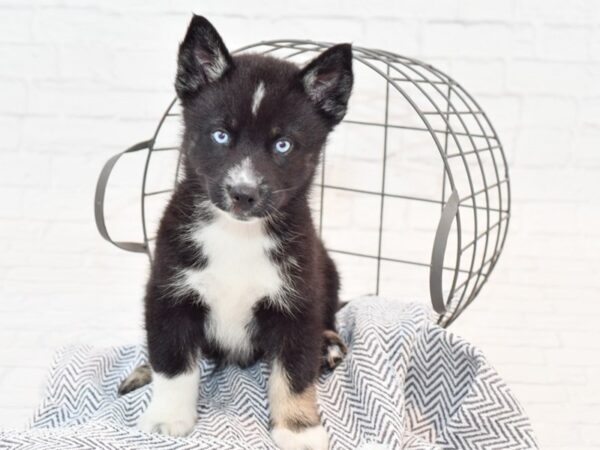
(259, 93)
(313, 438)
(243, 173)
(172, 410)
(238, 275)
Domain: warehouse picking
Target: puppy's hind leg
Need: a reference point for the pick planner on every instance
(294, 413)
(140, 377)
(333, 350)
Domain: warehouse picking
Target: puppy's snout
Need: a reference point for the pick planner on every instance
(244, 197)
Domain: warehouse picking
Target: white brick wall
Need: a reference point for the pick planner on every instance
(81, 80)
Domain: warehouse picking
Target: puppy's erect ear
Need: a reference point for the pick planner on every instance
(328, 79)
(203, 58)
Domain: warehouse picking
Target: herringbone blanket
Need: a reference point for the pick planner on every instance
(405, 384)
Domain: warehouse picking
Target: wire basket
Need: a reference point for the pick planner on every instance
(413, 191)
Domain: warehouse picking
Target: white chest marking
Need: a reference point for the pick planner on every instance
(238, 275)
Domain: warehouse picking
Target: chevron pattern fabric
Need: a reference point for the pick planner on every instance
(405, 384)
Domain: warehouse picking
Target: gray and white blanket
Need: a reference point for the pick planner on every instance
(405, 384)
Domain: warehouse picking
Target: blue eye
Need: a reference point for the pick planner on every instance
(283, 145)
(221, 137)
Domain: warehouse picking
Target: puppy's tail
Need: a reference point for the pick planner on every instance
(341, 305)
(141, 376)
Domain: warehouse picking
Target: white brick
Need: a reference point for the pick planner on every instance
(11, 131)
(391, 34)
(508, 336)
(14, 101)
(486, 10)
(536, 77)
(26, 61)
(436, 9)
(12, 203)
(564, 43)
(477, 40)
(523, 44)
(480, 77)
(500, 354)
(18, 28)
(91, 62)
(543, 148)
(557, 413)
(548, 112)
(72, 99)
(537, 374)
(557, 322)
(144, 69)
(75, 170)
(557, 11)
(579, 357)
(77, 235)
(346, 29)
(20, 170)
(581, 339)
(593, 86)
(594, 50)
(590, 111)
(585, 145)
(114, 6)
(570, 185)
(540, 393)
(590, 434)
(15, 229)
(24, 377)
(68, 26)
(132, 30)
(66, 204)
(588, 220)
(442, 39)
(563, 436)
(83, 135)
(585, 395)
(36, 358)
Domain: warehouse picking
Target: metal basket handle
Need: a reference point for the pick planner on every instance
(439, 250)
(99, 199)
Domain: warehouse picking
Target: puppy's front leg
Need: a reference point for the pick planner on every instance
(173, 347)
(172, 410)
(294, 413)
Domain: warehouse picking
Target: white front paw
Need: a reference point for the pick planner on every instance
(172, 410)
(171, 423)
(312, 438)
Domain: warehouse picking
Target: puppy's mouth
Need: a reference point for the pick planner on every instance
(239, 209)
(242, 216)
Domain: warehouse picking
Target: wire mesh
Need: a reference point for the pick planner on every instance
(421, 119)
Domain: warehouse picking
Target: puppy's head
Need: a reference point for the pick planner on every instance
(255, 125)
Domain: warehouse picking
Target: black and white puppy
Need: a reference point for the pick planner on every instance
(239, 271)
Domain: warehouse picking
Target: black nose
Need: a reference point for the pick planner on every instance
(243, 196)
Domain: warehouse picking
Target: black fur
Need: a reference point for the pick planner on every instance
(302, 105)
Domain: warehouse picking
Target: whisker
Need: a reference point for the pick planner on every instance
(277, 191)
